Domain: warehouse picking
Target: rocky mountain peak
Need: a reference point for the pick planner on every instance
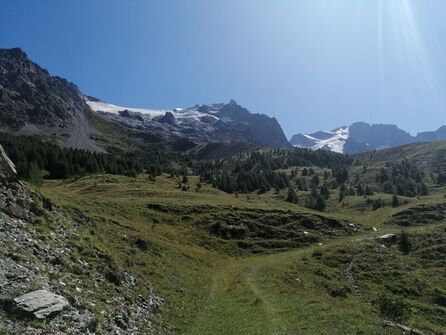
(14, 53)
(168, 118)
(32, 102)
(14, 63)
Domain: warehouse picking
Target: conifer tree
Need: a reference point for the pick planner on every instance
(395, 201)
(292, 196)
(405, 243)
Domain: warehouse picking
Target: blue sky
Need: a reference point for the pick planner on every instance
(313, 64)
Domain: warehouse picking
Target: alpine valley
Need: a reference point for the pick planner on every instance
(207, 220)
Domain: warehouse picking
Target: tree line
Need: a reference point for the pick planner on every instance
(36, 158)
(260, 170)
(402, 178)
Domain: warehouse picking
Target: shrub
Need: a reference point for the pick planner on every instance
(439, 297)
(395, 201)
(405, 243)
(393, 308)
(317, 254)
(339, 292)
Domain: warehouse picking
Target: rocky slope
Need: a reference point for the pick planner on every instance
(34, 102)
(50, 283)
(362, 137)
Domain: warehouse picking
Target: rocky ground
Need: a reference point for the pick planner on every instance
(49, 286)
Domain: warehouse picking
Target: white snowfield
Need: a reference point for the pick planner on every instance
(335, 143)
(178, 113)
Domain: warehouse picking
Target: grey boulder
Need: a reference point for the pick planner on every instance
(41, 303)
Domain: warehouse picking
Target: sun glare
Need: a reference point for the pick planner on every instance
(398, 29)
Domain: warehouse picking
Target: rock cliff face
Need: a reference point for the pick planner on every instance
(261, 129)
(47, 286)
(34, 102)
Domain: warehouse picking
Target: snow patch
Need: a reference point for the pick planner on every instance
(179, 113)
(113, 109)
(335, 143)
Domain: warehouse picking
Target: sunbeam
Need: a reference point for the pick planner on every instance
(380, 38)
(398, 33)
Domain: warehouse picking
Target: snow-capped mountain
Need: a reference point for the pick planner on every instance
(199, 124)
(326, 140)
(338, 140)
(362, 137)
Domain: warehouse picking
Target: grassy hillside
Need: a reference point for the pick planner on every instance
(255, 264)
(425, 155)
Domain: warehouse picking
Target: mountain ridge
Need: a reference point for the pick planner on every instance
(33, 102)
(362, 137)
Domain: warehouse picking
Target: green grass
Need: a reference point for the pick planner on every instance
(109, 134)
(423, 154)
(212, 286)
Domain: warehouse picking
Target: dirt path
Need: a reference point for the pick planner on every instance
(238, 301)
(235, 304)
(270, 310)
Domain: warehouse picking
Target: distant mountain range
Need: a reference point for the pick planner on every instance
(362, 137)
(34, 102)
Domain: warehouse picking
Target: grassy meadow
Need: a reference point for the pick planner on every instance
(254, 264)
